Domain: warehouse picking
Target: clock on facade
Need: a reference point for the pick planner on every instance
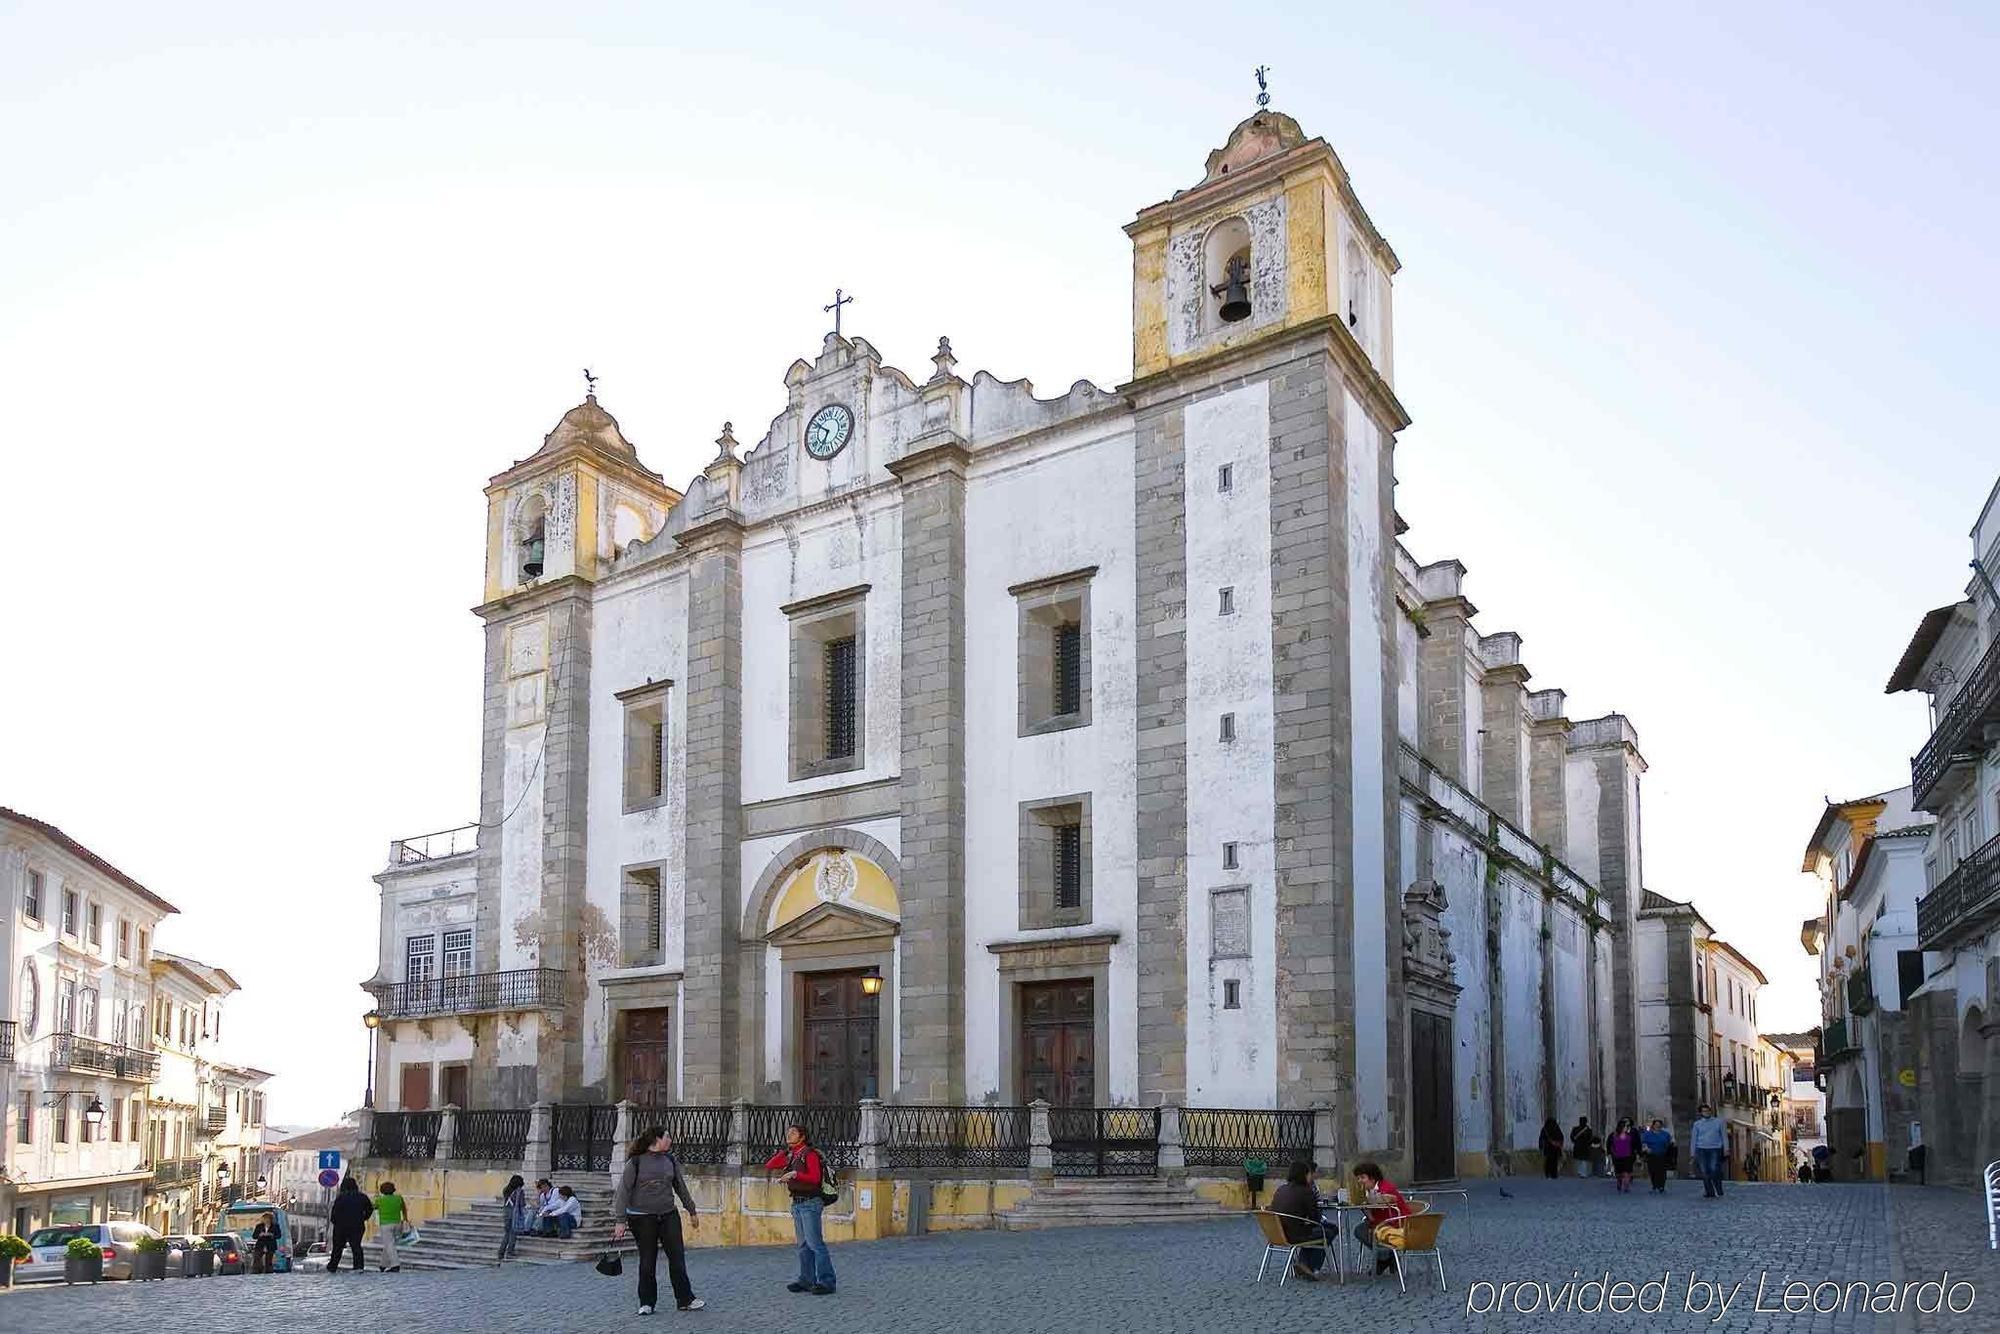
(827, 432)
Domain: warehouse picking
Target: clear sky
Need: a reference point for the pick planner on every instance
(1697, 323)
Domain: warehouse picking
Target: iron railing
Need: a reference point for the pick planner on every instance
(73, 1051)
(432, 847)
(834, 1130)
(176, 1171)
(580, 1137)
(977, 1139)
(494, 1136)
(1230, 1137)
(1960, 734)
(1105, 1141)
(1964, 903)
(214, 1121)
(6, 1039)
(474, 993)
(700, 1134)
(405, 1135)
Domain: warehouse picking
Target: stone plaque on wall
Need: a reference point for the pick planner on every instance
(1229, 923)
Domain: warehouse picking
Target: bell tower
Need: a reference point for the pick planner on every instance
(1273, 239)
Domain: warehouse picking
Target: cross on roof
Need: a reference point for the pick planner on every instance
(839, 299)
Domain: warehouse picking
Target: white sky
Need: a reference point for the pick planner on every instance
(1697, 323)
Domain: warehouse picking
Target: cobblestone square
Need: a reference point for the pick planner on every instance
(1193, 1277)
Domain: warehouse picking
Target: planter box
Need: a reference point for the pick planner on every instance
(83, 1269)
(6, 1271)
(197, 1264)
(150, 1265)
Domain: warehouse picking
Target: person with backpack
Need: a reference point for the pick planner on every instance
(644, 1204)
(812, 1189)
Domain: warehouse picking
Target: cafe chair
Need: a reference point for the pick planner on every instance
(1272, 1225)
(1419, 1236)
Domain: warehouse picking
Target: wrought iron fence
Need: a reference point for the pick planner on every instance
(1964, 902)
(1959, 732)
(405, 1135)
(1229, 1137)
(1105, 1141)
(700, 1134)
(580, 1137)
(835, 1131)
(977, 1139)
(490, 1136)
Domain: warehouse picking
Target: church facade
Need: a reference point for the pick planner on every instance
(957, 745)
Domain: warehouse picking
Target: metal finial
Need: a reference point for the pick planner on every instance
(589, 385)
(839, 299)
(1263, 92)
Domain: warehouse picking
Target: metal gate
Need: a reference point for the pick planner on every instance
(580, 1137)
(1105, 1141)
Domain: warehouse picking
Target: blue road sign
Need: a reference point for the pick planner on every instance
(329, 1158)
(329, 1178)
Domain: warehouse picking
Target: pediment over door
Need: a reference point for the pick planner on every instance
(832, 923)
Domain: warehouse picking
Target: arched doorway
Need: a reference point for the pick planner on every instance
(1970, 1104)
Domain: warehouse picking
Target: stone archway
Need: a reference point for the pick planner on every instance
(856, 932)
(1968, 1106)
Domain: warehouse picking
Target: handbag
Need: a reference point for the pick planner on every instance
(609, 1265)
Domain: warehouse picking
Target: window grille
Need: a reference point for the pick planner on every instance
(656, 754)
(1069, 866)
(1068, 654)
(840, 699)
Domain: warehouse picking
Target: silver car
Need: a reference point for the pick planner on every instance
(119, 1242)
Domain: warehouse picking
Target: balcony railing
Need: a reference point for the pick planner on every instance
(6, 1039)
(213, 1122)
(176, 1171)
(433, 847)
(1833, 1042)
(474, 993)
(1961, 733)
(1860, 991)
(1965, 903)
(73, 1051)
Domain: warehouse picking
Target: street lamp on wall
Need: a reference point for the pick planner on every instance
(373, 1021)
(871, 982)
(93, 1115)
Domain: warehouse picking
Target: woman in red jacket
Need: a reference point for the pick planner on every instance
(805, 1177)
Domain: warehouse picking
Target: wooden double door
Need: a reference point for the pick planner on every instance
(1058, 1053)
(1433, 1148)
(840, 1033)
(645, 1056)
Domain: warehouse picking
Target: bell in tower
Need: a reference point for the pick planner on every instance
(1234, 290)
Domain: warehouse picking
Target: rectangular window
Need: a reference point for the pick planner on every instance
(138, 1026)
(69, 912)
(1232, 994)
(86, 1012)
(1069, 866)
(1227, 732)
(31, 906)
(1229, 856)
(420, 959)
(141, 957)
(458, 953)
(124, 940)
(95, 917)
(62, 1119)
(24, 1127)
(841, 680)
(117, 1118)
(1052, 658)
(645, 744)
(1225, 602)
(639, 918)
(1225, 477)
(1067, 650)
(66, 1005)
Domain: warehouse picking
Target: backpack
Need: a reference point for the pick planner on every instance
(829, 1182)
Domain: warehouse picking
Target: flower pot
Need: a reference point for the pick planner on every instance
(83, 1268)
(198, 1264)
(6, 1271)
(150, 1265)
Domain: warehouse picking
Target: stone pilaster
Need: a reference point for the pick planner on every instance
(1548, 746)
(1503, 751)
(710, 1033)
(565, 797)
(931, 983)
(1610, 749)
(1444, 703)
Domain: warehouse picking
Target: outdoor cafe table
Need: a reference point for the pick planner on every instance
(1333, 1215)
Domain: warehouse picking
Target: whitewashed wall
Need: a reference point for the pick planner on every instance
(1367, 552)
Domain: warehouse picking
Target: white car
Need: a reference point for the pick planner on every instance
(119, 1242)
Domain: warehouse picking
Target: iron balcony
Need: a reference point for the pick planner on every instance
(474, 993)
(1961, 735)
(1964, 904)
(73, 1051)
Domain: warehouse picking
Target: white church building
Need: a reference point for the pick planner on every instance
(955, 745)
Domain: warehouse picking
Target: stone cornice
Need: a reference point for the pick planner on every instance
(724, 529)
(949, 456)
(1053, 581)
(823, 600)
(631, 693)
(542, 593)
(1330, 333)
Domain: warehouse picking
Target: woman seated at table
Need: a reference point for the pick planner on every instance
(1299, 1202)
(1386, 1206)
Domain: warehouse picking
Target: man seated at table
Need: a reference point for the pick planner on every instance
(1386, 1205)
(1299, 1202)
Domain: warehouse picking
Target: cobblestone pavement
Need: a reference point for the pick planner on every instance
(1195, 1277)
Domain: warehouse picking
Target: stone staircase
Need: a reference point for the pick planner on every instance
(1089, 1201)
(469, 1238)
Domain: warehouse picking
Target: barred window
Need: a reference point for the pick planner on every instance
(645, 744)
(840, 712)
(1069, 865)
(1068, 653)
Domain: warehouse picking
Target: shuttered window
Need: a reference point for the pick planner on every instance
(840, 711)
(1068, 654)
(1069, 865)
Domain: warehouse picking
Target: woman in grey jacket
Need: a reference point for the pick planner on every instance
(644, 1203)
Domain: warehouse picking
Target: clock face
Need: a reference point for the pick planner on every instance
(827, 432)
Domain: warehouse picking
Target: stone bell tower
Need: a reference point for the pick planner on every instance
(1265, 423)
(554, 522)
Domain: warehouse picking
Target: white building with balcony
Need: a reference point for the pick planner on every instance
(187, 1111)
(76, 1060)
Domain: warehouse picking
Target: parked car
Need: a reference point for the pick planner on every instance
(230, 1253)
(311, 1259)
(119, 1242)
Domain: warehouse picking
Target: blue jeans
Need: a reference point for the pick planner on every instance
(815, 1264)
(1709, 1162)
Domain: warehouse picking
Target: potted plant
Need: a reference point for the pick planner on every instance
(12, 1249)
(83, 1261)
(198, 1261)
(151, 1260)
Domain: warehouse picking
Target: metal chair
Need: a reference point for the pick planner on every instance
(1993, 1206)
(1272, 1224)
(1419, 1237)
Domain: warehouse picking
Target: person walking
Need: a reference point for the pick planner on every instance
(348, 1217)
(1658, 1142)
(1709, 1139)
(513, 1215)
(389, 1222)
(1623, 1146)
(1583, 1146)
(805, 1177)
(644, 1203)
(1552, 1148)
(264, 1244)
